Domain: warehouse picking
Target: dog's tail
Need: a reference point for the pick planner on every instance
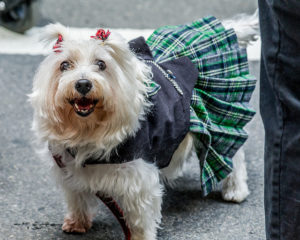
(246, 27)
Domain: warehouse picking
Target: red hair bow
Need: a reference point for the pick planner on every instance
(101, 34)
(57, 45)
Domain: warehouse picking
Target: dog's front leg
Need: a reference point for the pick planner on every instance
(139, 192)
(81, 207)
(234, 187)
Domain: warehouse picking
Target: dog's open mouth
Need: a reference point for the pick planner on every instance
(83, 106)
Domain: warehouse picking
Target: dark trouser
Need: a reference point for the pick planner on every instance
(280, 110)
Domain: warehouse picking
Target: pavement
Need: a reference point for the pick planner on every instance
(139, 13)
(32, 207)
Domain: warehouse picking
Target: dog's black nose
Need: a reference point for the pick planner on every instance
(83, 86)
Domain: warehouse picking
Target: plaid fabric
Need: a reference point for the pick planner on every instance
(219, 105)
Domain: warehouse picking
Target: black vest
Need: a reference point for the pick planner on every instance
(168, 121)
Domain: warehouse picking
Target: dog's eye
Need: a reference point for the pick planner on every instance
(64, 66)
(101, 65)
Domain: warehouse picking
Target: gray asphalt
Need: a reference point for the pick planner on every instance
(139, 13)
(31, 207)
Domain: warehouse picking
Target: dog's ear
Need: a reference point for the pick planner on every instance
(118, 44)
(133, 67)
(54, 32)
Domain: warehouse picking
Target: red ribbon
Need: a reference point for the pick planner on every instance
(101, 34)
(57, 45)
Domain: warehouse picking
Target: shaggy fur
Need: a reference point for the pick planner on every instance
(121, 94)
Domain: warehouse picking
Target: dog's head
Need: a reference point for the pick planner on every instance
(89, 89)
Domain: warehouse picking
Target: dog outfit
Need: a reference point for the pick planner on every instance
(201, 84)
(167, 122)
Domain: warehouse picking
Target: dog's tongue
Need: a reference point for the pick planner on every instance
(84, 103)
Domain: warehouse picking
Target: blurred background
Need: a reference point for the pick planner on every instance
(31, 206)
(139, 13)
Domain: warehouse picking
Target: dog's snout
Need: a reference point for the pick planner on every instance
(83, 86)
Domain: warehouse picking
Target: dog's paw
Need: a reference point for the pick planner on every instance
(235, 193)
(142, 237)
(76, 226)
(141, 234)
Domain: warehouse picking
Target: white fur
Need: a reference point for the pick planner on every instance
(134, 185)
(245, 26)
(124, 77)
(235, 186)
(121, 88)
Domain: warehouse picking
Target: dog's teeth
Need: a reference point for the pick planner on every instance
(76, 106)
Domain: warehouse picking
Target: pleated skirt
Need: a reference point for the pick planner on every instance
(219, 107)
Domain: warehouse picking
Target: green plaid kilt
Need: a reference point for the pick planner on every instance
(219, 105)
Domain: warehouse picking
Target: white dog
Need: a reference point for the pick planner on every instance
(91, 95)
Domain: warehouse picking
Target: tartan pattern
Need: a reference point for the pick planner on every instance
(152, 88)
(219, 105)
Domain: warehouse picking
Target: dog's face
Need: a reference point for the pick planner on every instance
(85, 81)
(88, 88)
